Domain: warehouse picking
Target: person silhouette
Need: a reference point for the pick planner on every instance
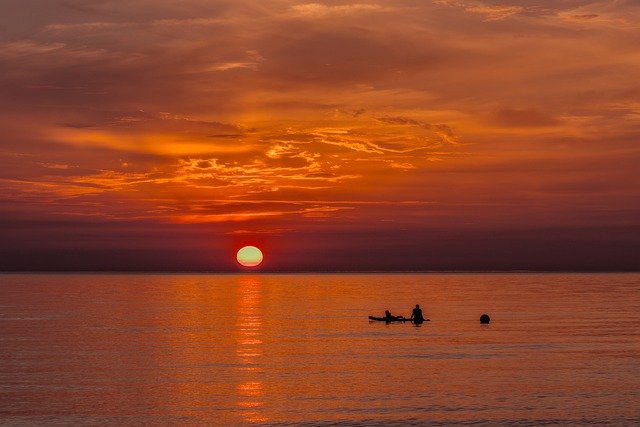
(416, 315)
(390, 317)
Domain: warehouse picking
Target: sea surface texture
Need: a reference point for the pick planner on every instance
(95, 349)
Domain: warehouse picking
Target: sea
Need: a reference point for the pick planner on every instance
(299, 349)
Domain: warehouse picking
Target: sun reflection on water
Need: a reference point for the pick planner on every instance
(250, 391)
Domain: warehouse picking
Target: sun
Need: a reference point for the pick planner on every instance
(249, 256)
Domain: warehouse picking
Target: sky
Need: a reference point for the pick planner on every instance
(336, 135)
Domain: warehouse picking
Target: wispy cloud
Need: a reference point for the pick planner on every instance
(315, 10)
(495, 13)
(442, 130)
(490, 12)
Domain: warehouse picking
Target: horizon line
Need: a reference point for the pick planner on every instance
(230, 272)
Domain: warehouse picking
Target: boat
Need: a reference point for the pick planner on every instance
(389, 319)
(397, 319)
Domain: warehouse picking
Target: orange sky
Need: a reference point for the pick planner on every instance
(153, 134)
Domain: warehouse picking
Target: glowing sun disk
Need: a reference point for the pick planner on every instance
(249, 256)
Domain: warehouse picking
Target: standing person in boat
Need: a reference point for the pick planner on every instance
(416, 315)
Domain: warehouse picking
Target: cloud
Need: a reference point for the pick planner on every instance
(495, 13)
(583, 17)
(106, 25)
(491, 12)
(252, 62)
(252, 210)
(151, 132)
(316, 10)
(443, 131)
(522, 117)
(254, 232)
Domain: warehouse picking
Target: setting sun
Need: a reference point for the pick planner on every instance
(249, 256)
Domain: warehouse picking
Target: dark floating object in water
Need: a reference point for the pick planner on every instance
(485, 319)
(397, 319)
(389, 319)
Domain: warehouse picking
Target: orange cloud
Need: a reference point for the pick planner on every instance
(309, 116)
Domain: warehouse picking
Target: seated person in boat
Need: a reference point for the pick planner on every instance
(388, 317)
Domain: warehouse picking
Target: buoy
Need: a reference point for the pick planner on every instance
(485, 319)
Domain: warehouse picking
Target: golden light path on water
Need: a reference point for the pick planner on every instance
(250, 389)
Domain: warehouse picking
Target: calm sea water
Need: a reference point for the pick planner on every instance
(298, 349)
